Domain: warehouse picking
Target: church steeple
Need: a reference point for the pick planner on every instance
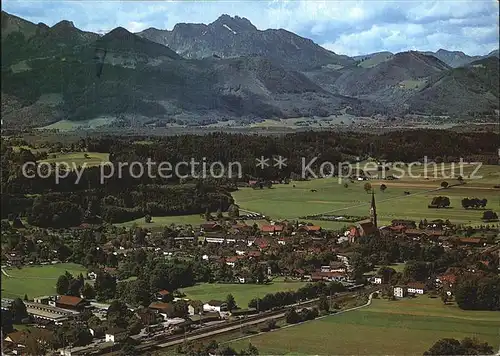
(373, 211)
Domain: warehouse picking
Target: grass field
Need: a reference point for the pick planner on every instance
(67, 125)
(242, 293)
(404, 327)
(36, 280)
(286, 202)
(160, 221)
(78, 158)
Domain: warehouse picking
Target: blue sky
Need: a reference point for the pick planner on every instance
(345, 27)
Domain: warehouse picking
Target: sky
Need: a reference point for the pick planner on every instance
(345, 27)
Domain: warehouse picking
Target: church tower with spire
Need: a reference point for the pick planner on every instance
(373, 211)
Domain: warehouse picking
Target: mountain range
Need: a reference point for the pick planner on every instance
(227, 69)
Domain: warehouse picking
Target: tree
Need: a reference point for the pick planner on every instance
(468, 346)
(147, 219)
(138, 292)
(440, 202)
(105, 286)
(367, 187)
(231, 304)
(292, 317)
(346, 185)
(271, 324)
(18, 311)
(233, 211)
(219, 214)
(62, 285)
(180, 308)
(74, 288)
(25, 297)
(88, 291)
(476, 293)
(118, 314)
(445, 346)
(417, 270)
(383, 187)
(323, 304)
(128, 350)
(444, 185)
(490, 215)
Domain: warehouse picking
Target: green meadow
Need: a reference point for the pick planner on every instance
(242, 293)
(78, 159)
(291, 201)
(403, 327)
(36, 280)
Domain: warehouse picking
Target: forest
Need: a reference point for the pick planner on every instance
(47, 202)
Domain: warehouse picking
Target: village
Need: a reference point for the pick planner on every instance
(297, 254)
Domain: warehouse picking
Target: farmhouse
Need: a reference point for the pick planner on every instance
(271, 229)
(447, 280)
(215, 305)
(416, 288)
(399, 292)
(19, 339)
(69, 302)
(116, 335)
(328, 276)
(310, 229)
(163, 295)
(212, 226)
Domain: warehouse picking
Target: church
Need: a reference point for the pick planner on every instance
(367, 227)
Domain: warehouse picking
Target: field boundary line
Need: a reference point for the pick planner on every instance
(307, 321)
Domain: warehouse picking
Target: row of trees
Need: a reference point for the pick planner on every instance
(467, 346)
(68, 285)
(294, 317)
(281, 299)
(474, 203)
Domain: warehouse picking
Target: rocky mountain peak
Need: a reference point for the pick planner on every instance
(64, 24)
(234, 24)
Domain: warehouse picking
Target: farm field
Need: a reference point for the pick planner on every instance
(408, 327)
(242, 293)
(78, 158)
(36, 280)
(283, 201)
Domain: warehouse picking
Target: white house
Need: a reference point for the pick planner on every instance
(215, 305)
(92, 275)
(116, 335)
(376, 280)
(416, 288)
(399, 292)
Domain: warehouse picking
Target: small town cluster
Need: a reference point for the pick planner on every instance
(133, 289)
